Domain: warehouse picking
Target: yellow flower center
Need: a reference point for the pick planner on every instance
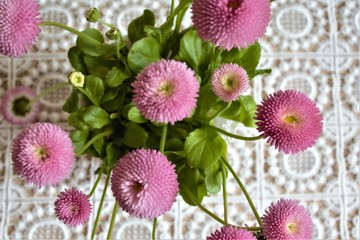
(229, 82)
(41, 153)
(290, 119)
(234, 4)
(166, 88)
(292, 227)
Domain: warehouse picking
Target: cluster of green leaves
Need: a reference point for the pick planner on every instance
(105, 101)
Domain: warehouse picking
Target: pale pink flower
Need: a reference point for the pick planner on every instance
(231, 233)
(19, 26)
(289, 120)
(42, 154)
(72, 207)
(287, 219)
(229, 81)
(231, 23)
(166, 91)
(16, 108)
(144, 183)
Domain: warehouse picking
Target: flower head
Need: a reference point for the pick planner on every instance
(229, 81)
(287, 219)
(77, 79)
(144, 183)
(72, 207)
(42, 154)
(290, 120)
(16, 105)
(166, 91)
(231, 233)
(19, 26)
(231, 23)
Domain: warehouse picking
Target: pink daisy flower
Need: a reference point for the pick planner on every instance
(19, 26)
(290, 120)
(231, 233)
(144, 183)
(231, 23)
(42, 154)
(229, 81)
(166, 91)
(287, 219)
(72, 207)
(15, 106)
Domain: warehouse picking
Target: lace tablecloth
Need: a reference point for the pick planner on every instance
(313, 46)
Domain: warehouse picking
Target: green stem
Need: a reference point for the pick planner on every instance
(112, 221)
(106, 24)
(47, 91)
(230, 134)
(243, 189)
(163, 138)
(222, 110)
(224, 193)
(172, 7)
(252, 229)
(205, 210)
(94, 139)
(153, 234)
(96, 182)
(100, 207)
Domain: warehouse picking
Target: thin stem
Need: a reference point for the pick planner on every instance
(96, 182)
(243, 189)
(205, 210)
(252, 229)
(230, 134)
(94, 139)
(100, 207)
(172, 7)
(224, 193)
(153, 234)
(106, 24)
(47, 91)
(112, 221)
(163, 138)
(222, 110)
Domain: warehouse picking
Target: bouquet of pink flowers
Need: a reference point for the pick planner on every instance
(145, 101)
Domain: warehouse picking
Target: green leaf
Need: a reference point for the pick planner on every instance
(96, 117)
(205, 102)
(94, 44)
(213, 178)
(97, 66)
(79, 138)
(174, 144)
(242, 111)
(134, 136)
(116, 76)
(144, 52)
(113, 154)
(109, 94)
(76, 119)
(94, 89)
(99, 146)
(76, 58)
(72, 103)
(132, 113)
(136, 27)
(203, 148)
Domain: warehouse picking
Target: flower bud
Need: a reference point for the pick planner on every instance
(76, 79)
(92, 15)
(113, 34)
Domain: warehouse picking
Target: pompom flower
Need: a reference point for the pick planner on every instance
(231, 233)
(15, 105)
(229, 81)
(19, 26)
(290, 120)
(42, 154)
(287, 219)
(144, 183)
(231, 23)
(166, 91)
(72, 207)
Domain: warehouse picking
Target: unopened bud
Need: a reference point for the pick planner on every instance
(92, 15)
(113, 34)
(77, 79)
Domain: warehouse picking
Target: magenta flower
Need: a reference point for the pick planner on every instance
(290, 120)
(42, 154)
(144, 183)
(166, 91)
(16, 108)
(72, 207)
(229, 81)
(19, 26)
(231, 23)
(231, 233)
(287, 219)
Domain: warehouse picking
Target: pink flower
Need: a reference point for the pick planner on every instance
(231, 233)
(229, 81)
(42, 154)
(19, 26)
(290, 120)
(231, 23)
(15, 105)
(144, 183)
(72, 207)
(287, 219)
(166, 91)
